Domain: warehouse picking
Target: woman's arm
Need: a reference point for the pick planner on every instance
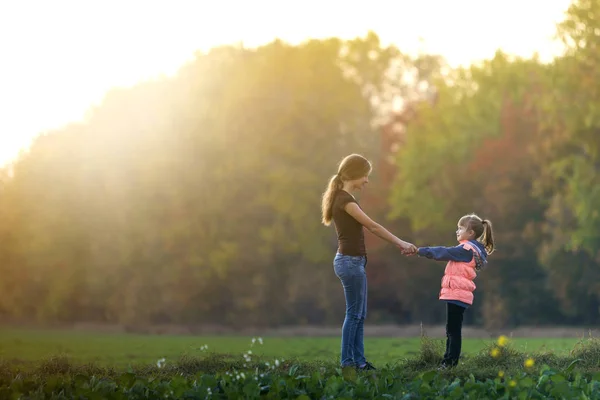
(355, 211)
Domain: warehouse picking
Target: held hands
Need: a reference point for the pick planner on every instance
(408, 249)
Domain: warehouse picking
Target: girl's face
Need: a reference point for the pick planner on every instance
(462, 233)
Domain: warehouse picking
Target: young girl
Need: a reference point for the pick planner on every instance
(476, 240)
(340, 206)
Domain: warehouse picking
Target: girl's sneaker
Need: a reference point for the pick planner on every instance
(447, 365)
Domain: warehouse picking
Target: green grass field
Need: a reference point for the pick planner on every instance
(70, 364)
(121, 350)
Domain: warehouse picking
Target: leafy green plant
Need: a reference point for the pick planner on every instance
(499, 371)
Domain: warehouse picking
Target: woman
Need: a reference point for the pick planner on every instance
(350, 261)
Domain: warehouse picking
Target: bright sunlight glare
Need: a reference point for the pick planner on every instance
(59, 57)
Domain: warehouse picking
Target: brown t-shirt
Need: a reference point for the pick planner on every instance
(351, 239)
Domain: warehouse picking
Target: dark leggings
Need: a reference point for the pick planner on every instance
(454, 320)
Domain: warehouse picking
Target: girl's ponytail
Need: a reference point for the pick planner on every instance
(488, 236)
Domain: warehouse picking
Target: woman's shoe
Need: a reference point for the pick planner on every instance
(366, 367)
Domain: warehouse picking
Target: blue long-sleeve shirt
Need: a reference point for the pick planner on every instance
(456, 253)
(440, 253)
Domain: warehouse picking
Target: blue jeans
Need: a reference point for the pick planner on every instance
(351, 271)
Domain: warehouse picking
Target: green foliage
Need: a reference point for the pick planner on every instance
(195, 199)
(513, 375)
(517, 142)
(572, 131)
(440, 169)
(471, 152)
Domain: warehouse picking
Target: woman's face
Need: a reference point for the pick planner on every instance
(360, 183)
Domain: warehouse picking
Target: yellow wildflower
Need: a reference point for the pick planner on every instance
(495, 352)
(501, 374)
(502, 341)
(512, 383)
(529, 363)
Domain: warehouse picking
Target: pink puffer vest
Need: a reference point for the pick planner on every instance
(457, 283)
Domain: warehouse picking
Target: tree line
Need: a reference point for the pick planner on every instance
(195, 199)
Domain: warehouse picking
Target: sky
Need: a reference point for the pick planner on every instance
(59, 57)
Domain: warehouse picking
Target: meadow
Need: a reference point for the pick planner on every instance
(47, 364)
(121, 350)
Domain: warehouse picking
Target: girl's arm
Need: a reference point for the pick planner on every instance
(355, 211)
(439, 253)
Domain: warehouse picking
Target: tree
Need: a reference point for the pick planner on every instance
(571, 158)
(196, 199)
(471, 152)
